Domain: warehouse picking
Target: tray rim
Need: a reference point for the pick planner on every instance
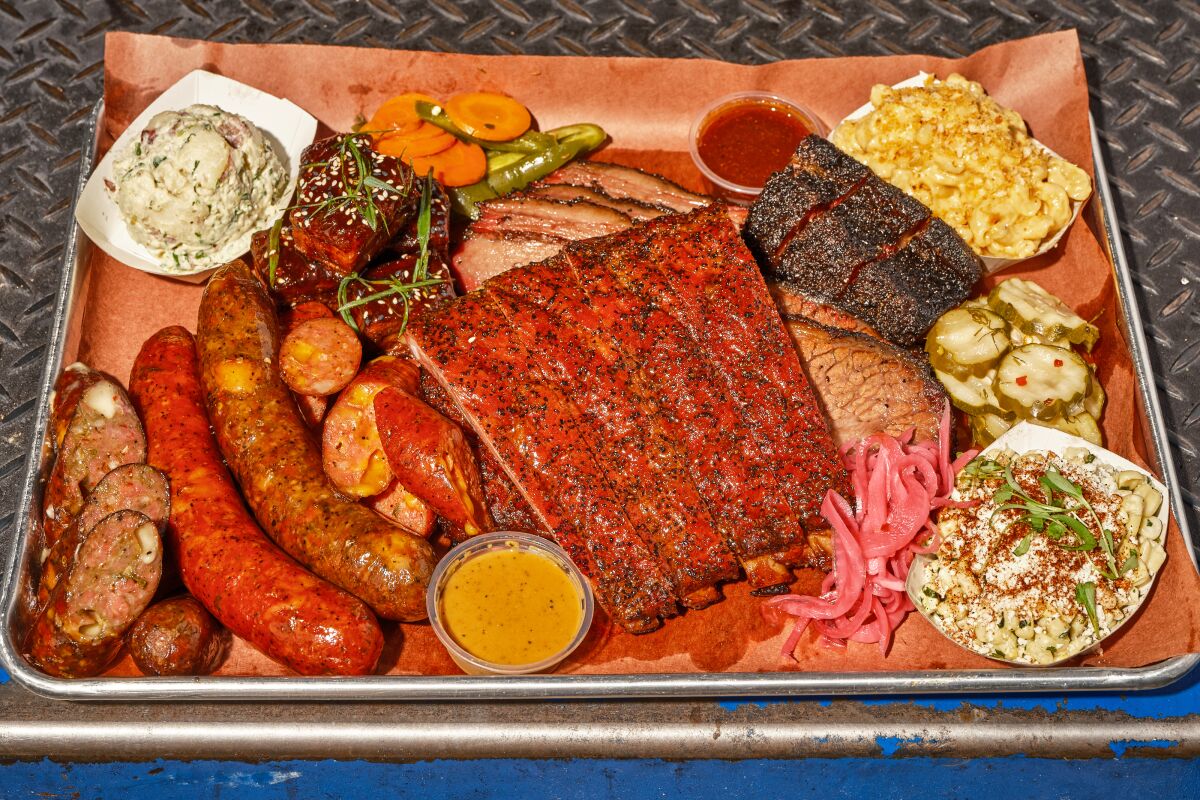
(411, 688)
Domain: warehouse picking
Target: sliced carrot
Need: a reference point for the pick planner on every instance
(488, 115)
(461, 165)
(398, 113)
(406, 148)
(425, 130)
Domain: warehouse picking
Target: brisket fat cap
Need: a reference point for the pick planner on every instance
(846, 238)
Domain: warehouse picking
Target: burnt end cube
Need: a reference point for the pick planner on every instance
(341, 218)
(297, 279)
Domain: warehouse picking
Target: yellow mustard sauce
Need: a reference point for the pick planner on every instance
(511, 606)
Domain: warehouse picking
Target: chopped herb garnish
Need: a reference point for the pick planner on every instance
(1023, 547)
(1060, 514)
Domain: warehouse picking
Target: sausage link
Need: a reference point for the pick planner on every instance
(177, 637)
(277, 463)
(112, 581)
(248, 583)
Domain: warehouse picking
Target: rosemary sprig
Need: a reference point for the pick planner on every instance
(395, 286)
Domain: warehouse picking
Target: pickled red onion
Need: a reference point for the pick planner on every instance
(898, 484)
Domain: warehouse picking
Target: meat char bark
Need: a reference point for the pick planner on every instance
(627, 183)
(866, 385)
(847, 239)
(559, 369)
(534, 432)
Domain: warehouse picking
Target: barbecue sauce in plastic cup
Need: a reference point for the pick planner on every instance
(741, 139)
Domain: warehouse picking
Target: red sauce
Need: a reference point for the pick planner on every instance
(747, 140)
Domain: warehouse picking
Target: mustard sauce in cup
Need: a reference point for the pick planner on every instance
(509, 603)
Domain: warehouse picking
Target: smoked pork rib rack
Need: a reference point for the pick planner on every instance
(640, 393)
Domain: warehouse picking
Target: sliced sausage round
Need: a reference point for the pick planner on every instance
(351, 452)
(113, 579)
(404, 508)
(103, 434)
(319, 357)
(134, 487)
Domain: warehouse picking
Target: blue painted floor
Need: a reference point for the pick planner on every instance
(818, 779)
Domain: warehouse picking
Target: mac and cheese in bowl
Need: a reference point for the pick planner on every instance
(971, 161)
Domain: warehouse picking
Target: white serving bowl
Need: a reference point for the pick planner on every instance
(990, 263)
(288, 128)
(1023, 438)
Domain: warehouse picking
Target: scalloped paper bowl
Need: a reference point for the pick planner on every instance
(288, 127)
(1023, 438)
(990, 263)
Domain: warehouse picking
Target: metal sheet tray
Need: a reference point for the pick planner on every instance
(17, 540)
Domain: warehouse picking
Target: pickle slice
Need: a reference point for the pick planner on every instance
(1082, 425)
(1094, 402)
(1041, 381)
(973, 394)
(987, 428)
(967, 341)
(1034, 311)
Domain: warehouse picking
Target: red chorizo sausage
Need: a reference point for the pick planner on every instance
(430, 455)
(177, 637)
(104, 433)
(278, 465)
(113, 579)
(228, 564)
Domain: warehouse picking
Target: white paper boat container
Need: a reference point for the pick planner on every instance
(289, 129)
(1023, 438)
(990, 263)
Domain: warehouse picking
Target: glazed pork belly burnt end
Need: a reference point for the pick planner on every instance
(843, 237)
(339, 218)
(638, 398)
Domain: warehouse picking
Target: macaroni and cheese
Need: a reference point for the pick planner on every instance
(970, 160)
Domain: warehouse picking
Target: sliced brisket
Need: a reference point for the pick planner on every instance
(627, 183)
(866, 385)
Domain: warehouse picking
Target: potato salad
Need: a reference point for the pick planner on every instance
(194, 182)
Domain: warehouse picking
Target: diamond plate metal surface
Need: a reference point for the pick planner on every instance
(1143, 64)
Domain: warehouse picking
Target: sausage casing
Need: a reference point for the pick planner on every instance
(177, 637)
(250, 585)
